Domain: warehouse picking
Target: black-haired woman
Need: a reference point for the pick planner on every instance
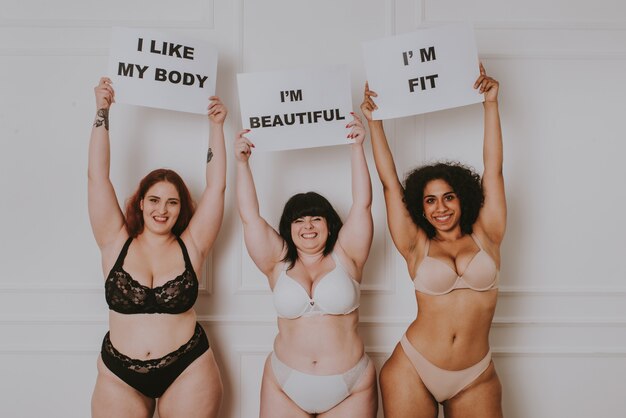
(314, 265)
(448, 224)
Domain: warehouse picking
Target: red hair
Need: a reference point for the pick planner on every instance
(134, 214)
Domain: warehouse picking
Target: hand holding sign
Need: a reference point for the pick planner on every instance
(487, 85)
(358, 130)
(162, 70)
(217, 110)
(483, 83)
(105, 95)
(243, 146)
(424, 71)
(296, 108)
(368, 106)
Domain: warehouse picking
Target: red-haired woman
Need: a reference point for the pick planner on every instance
(151, 258)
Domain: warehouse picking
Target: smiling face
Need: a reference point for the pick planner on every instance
(309, 233)
(160, 207)
(442, 207)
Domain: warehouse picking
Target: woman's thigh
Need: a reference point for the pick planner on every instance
(404, 395)
(482, 398)
(362, 402)
(196, 393)
(113, 398)
(274, 402)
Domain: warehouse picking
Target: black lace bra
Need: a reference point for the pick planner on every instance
(127, 296)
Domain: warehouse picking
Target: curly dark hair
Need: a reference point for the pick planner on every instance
(464, 181)
(307, 204)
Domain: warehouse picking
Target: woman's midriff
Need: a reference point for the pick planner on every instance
(322, 345)
(452, 330)
(150, 336)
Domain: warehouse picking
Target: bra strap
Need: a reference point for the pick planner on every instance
(339, 264)
(120, 258)
(336, 259)
(477, 241)
(185, 253)
(427, 247)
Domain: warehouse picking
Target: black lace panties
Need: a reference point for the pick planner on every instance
(153, 377)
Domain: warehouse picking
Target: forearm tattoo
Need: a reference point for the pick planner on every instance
(102, 118)
(209, 155)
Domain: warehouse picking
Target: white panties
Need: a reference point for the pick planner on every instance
(313, 393)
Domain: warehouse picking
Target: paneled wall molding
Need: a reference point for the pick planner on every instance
(204, 22)
(530, 55)
(54, 351)
(24, 320)
(594, 292)
(54, 52)
(365, 321)
(558, 55)
(202, 18)
(533, 25)
(559, 352)
(373, 351)
(205, 285)
(384, 288)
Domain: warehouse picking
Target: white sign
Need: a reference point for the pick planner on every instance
(423, 71)
(155, 69)
(296, 109)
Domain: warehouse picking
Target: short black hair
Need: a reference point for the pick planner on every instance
(464, 181)
(308, 204)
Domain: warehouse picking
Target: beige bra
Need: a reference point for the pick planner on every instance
(434, 277)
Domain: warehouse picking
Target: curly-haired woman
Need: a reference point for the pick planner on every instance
(448, 224)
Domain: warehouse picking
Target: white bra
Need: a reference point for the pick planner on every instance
(335, 294)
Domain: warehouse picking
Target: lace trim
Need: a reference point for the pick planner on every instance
(126, 295)
(146, 366)
(351, 377)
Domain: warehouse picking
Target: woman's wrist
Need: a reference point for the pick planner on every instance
(102, 118)
(216, 125)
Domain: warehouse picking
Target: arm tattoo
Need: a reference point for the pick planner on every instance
(209, 155)
(102, 118)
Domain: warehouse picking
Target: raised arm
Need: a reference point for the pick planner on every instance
(492, 217)
(105, 215)
(355, 237)
(207, 219)
(403, 230)
(264, 244)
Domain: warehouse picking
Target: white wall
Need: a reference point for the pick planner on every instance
(558, 337)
